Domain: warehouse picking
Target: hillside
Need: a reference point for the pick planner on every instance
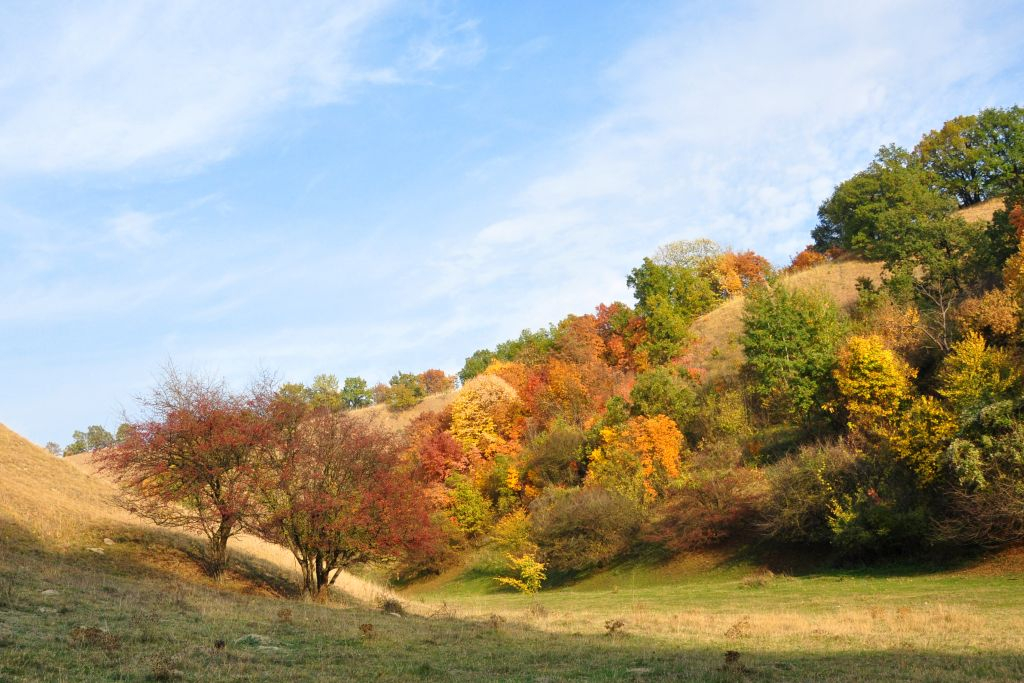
(716, 346)
(399, 420)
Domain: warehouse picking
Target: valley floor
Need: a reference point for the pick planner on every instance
(79, 615)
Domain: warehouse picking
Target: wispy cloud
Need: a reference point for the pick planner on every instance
(734, 126)
(108, 86)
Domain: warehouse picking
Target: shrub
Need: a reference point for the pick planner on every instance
(801, 491)
(467, 506)
(529, 572)
(638, 461)
(974, 375)
(873, 381)
(661, 391)
(554, 457)
(579, 529)
(708, 511)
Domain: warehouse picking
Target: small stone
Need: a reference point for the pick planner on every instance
(98, 551)
(50, 591)
(108, 541)
(47, 610)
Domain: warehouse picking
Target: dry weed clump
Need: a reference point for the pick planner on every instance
(389, 604)
(284, 615)
(367, 631)
(741, 629)
(759, 579)
(613, 627)
(92, 636)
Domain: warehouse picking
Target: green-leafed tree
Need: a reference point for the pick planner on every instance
(669, 298)
(355, 393)
(791, 340)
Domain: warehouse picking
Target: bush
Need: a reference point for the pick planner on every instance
(801, 491)
(709, 511)
(469, 509)
(579, 529)
(661, 391)
(554, 458)
(529, 572)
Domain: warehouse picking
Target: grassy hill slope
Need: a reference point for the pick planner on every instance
(716, 334)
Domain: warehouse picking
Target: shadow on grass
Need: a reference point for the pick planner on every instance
(86, 617)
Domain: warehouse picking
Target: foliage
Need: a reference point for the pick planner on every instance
(707, 511)
(975, 375)
(873, 383)
(995, 314)
(807, 258)
(662, 391)
(404, 391)
(553, 458)
(790, 340)
(467, 506)
(529, 574)
(583, 528)
(475, 364)
(802, 489)
(189, 461)
(331, 489)
(484, 414)
(869, 212)
(921, 436)
(669, 298)
(93, 438)
(435, 381)
(638, 461)
(976, 156)
(355, 393)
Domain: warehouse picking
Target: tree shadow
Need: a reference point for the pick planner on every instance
(225, 636)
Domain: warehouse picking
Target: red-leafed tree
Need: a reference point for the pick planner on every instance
(188, 461)
(333, 490)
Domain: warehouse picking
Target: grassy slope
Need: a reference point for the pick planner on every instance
(716, 345)
(140, 611)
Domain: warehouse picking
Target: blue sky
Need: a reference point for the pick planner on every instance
(373, 186)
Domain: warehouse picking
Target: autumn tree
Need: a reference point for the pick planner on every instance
(333, 490)
(669, 298)
(874, 383)
(638, 461)
(187, 462)
(436, 381)
(404, 391)
(976, 156)
(93, 438)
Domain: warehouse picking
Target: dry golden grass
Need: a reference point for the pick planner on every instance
(982, 211)
(716, 347)
(399, 420)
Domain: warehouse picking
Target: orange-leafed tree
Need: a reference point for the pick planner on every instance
(639, 460)
(436, 381)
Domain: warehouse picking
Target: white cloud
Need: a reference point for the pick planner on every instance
(111, 85)
(735, 128)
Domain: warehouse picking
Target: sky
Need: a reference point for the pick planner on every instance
(373, 186)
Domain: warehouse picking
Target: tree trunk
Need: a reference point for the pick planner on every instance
(217, 550)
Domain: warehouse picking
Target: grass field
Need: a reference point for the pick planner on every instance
(115, 617)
